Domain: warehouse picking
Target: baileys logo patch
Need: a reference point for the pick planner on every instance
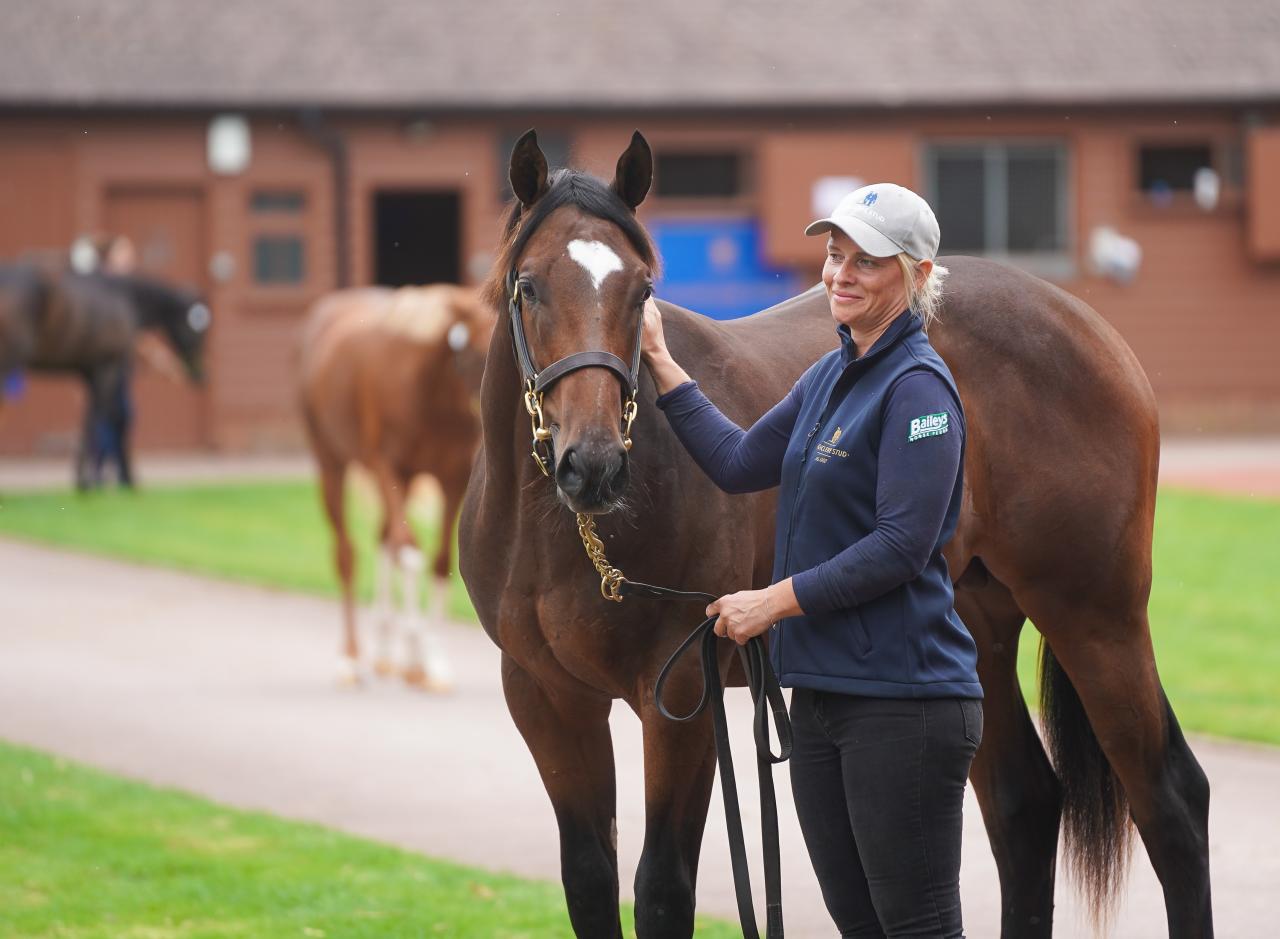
(928, 425)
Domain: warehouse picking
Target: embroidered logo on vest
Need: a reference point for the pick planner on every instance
(928, 425)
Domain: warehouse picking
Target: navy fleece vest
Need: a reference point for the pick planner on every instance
(909, 641)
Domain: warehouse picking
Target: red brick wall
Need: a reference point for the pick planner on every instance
(1203, 314)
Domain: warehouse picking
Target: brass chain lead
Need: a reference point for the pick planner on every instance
(611, 579)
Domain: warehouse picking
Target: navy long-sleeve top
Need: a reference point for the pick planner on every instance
(868, 451)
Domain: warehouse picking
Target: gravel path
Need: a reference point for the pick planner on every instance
(227, 691)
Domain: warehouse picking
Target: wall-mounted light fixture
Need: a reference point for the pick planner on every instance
(229, 148)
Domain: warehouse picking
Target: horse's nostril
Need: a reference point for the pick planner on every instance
(615, 478)
(569, 474)
(592, 475)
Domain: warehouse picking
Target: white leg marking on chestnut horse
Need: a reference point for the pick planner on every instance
(415, 672)
(350, 674)
(439, 671)
(383, 614)
(412, 559)
(599, 259)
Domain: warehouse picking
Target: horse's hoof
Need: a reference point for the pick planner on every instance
(383, 668)
(350, 675)
(415, 676)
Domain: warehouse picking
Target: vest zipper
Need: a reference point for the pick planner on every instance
(791, 527)
(823, 415)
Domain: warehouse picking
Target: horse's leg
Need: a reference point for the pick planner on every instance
(679, 766)
(122, 425)
(88, 461)
(402, 544)
(332, 477)
(453, 486)
(1014, 781)
(383, 614)
(1105, 651)
(568, 735)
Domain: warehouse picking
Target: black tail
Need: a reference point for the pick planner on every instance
(1095, 811)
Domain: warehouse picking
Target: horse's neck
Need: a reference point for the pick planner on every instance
(500, 404)
(148, 299)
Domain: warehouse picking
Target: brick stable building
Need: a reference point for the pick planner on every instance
(377, 136)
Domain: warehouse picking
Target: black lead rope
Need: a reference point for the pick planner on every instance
(766, 695)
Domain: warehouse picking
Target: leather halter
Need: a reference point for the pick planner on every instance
(538, 381)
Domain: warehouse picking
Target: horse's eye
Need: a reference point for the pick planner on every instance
(648, 293)
(527, 293)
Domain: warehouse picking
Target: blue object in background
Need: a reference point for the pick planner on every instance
(713, 266)
(15, 383)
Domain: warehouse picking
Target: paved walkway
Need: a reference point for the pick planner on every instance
(1240, 466)
(55, 473)
(227, 691)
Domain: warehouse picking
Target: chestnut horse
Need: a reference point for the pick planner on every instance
(389, 379)
(1056, 526)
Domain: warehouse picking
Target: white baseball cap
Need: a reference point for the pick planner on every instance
(884, 219)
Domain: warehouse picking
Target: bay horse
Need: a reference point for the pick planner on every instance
(389, 379)
(54, 320)
(1056, 527)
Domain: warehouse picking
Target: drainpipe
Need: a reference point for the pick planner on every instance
(334, 144)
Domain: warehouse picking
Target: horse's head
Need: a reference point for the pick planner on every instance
(579, 266)
(177, 313)
(187, 332)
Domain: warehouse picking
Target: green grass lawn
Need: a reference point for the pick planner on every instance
(84, 855)
(1213, 609)
(1215, 614)
(269, 533)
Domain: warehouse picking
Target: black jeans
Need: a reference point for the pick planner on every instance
(879, 789)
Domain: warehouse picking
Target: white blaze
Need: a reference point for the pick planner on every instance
(599, 259)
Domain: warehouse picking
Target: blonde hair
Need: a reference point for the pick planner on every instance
(925, 298)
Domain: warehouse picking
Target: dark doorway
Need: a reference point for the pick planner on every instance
(416, 237)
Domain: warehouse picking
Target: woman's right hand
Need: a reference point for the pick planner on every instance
(653, 347)
(653, 343)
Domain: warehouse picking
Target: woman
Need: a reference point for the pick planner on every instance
(868, 451)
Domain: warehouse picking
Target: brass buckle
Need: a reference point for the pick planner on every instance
(629, 411)
(533, 404)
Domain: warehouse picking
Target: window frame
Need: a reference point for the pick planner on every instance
(1227, 159)
(736, 154)
(300, 223)
(1058, 264)
(278, 236)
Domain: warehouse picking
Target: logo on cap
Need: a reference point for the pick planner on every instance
(869, 199)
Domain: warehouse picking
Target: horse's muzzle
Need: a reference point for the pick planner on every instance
(592, 476)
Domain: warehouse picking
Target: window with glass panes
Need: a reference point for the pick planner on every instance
(999, 198)
(278, 246)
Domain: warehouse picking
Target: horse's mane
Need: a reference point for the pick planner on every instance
(567, 187)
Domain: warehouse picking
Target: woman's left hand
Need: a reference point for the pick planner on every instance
(743, 615)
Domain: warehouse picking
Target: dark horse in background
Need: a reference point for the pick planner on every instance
(1060, 483)
(85, 324)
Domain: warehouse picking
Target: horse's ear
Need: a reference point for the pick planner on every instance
(635, 171)
(528, 170)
